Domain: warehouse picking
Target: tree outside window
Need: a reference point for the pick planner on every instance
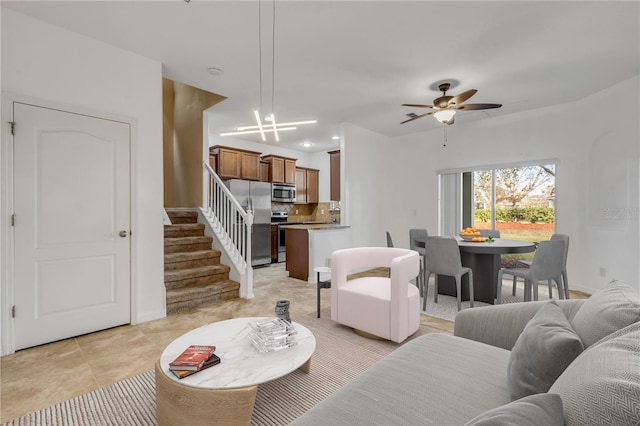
(517, 201)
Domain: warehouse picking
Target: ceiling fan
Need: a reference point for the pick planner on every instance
(446, 106)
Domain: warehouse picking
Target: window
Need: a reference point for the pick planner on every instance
(517, 199)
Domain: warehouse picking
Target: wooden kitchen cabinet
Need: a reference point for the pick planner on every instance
(264, 171)
(213, 162)
(301, 186)
(307, 185)
(233, 163)
(282, 169)
(289, 170)
(312, 186)
(334, 167)
(274, 243)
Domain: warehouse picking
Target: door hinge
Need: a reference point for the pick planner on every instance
(13, 311)
(13, 219)
(13, 127)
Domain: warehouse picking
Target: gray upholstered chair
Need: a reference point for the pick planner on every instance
(389, 240)
(563, 290)
(493, 233)
(442, 257)
(415, 246)
(547, 264)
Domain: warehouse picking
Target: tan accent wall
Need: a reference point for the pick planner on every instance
(183, 136)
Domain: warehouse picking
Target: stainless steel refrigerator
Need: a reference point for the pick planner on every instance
(257, 196)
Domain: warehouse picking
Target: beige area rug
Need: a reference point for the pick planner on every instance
(447, 306)
(340, 356)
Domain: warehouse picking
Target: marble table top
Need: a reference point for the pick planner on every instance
(241, 365)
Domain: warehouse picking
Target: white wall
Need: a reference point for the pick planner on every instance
(598, 151)
(60, 67)
(315, 160)
(368, 186)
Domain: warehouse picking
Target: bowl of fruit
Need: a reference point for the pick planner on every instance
(469, 233)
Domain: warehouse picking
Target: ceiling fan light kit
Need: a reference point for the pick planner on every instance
(445, 116)
(446, 106)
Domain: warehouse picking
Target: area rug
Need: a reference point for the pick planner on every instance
(447, 306)
(340, 356)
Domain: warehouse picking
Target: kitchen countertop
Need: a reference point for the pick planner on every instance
(317, 226)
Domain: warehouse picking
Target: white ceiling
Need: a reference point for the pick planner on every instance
(358, 61)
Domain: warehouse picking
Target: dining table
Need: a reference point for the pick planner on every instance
(484, 260)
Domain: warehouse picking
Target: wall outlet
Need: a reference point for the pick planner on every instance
(296, 211)
(321, 211)
(603, 272)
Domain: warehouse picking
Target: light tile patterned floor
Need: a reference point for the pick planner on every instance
(36, 378)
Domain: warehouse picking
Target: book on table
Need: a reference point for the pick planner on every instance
(213, 360)
(193, 358)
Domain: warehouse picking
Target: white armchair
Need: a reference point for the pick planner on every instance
(385, 307)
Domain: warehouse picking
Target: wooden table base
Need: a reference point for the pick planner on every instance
(178, 404)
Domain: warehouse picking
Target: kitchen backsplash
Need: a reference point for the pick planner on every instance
(307, 212)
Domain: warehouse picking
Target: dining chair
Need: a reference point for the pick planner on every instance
(415, 233)
(389, 240)
(442, 257)
(546, 266)
(563, 289)
(493, 233)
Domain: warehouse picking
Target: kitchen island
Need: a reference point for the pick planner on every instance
(311, 245)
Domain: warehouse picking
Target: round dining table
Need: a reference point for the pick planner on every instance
(484, 260)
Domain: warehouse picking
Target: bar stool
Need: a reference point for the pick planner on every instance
(322, 284)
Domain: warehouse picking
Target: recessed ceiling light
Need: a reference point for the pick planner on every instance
(335, 137)
(306, 144)
(215, 71)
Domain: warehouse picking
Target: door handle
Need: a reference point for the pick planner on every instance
(123, 233)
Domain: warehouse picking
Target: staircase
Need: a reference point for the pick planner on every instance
(193, 275)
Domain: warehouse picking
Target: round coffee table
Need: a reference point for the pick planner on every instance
(225, 393)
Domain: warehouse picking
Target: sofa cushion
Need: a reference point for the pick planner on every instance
(533, 410)
(602, 386)
(545, 348)
(607, 310)
(435, 379)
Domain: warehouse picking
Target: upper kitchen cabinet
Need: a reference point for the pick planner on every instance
(334, 166)
(313, 183)
(282, 169)
(234, 163)
(307, 185)
(265, 168)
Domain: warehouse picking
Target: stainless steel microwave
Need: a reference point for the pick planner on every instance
(283, 192)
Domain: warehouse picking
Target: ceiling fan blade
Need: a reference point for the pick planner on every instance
(470, 107)
(416, 117)
(457, 100)
(418, 105)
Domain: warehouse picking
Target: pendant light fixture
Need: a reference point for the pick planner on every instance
(270, 126)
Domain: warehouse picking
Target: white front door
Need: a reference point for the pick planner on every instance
(72, 222)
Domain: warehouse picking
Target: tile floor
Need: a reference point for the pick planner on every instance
(35, 378)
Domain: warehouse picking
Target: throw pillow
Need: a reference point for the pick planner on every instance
(602, 386)
(546, 346)
(607, 310)
(533, 410)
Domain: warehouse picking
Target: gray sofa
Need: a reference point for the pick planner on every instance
(470, 377)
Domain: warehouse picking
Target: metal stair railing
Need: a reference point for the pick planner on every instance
(231, 225)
